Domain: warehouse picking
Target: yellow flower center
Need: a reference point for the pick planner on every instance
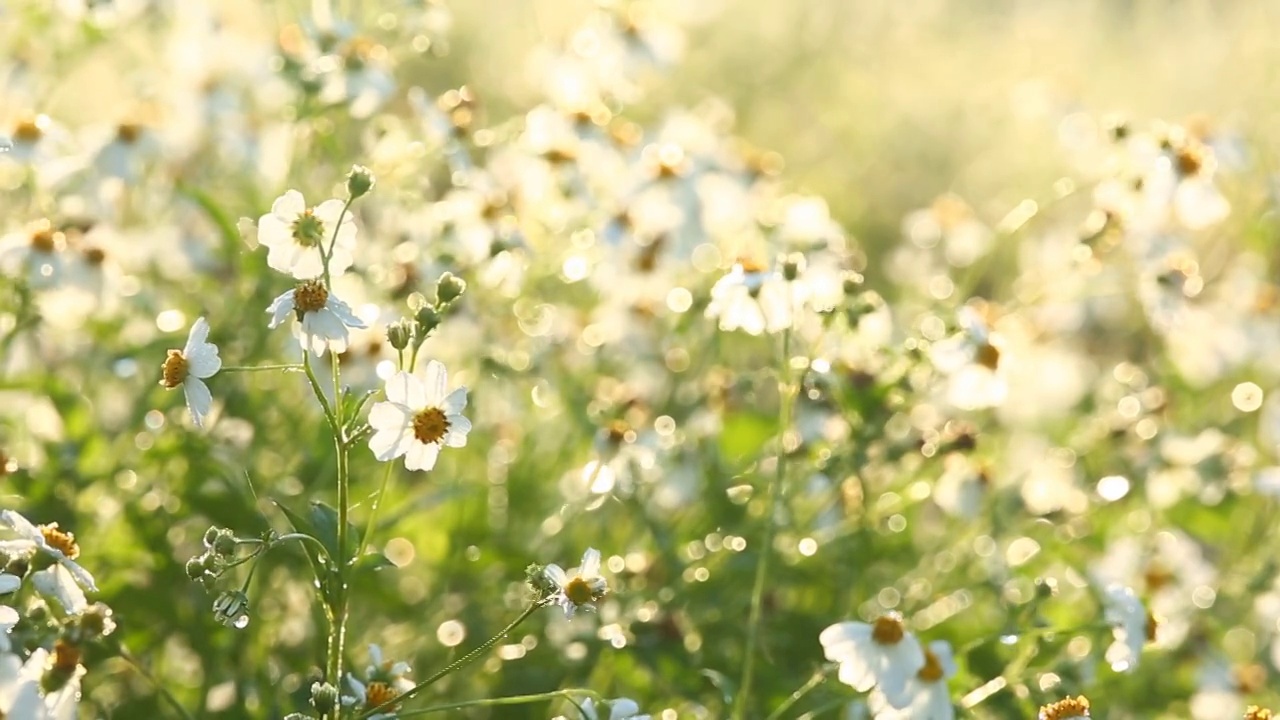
(64, 542)
(1253, 712)
(379, 693)
(430, 425)
(1189, 160)
(1153, 623)
(647, 261)
(66, 657)
(579, 591)
(310, 296)
(617, 432)
(1250, 678)
(1066, 708)
(308, 230)
(988, 356)
(128, 133)
(174, 369)
(888, 630)
(750, 265)
(1156, 576)
(44, 239)
(932, 670)
(30, 130)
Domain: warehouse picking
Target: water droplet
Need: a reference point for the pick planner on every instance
(241, 622)
(1010, 639)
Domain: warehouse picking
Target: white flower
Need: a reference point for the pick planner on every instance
(323, 317)
(752, 299)
(384, 685)
(8, 619)
(1132, 627)
(295, 236)
(384, 669)
(190, 366)
(927, 690)
(47, 540)
(581, 587)
(882, 654)
(35, 251)
(20, 686)
(620, 709)
(418, 417)
(9, 583)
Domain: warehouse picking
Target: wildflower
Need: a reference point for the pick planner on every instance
(418, 417)
(64, 577)
(8, 619)
(385, 681)
(9, 583)
(20, 686)
(620, 709)
(753, 299)
(1253, 712)
(581, 588)
(298, 238)
(383, 669)
(323, 318)
(926, 691)
(35, 251)
(882, 654)
(190, 367)
(1069, 708)
(1133, 627)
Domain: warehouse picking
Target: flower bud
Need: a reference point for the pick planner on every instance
(851, 283)
(428, 318)
(359, 181)
(231, 608)
(211, 536)
(792, 266)
(449, 288)
(536, 577)
(225, 545)
(196, 567)
(95, 622)
(324, 697)
(299, 716)
(400, 334)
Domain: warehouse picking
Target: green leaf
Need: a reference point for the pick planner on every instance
(727, 687)
(371, 563)
(325, 520)
(320, 565)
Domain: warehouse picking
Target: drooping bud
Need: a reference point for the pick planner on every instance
(400, 334)
(231, 608)
(359, 181)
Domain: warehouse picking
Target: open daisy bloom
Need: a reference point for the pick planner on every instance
(620, 709)
(580, 588)
(296, 236)
(323, 318)
(880, 654)
(384, 682)
(53, 553)
(418, 418)
(190, 367)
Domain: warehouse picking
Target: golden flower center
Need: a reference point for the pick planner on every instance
(1153, 623)
(750, 265)
(378, 694)
(66, 657)
(888, 630)
(617, 431)
(310, 296)
(174, 369)
(1250, 678)
(95, 256)
(647, 261)
(1253, 712)
(579, 591)
(1156, 576)
(308, 230)
(1066, 708)
(1189, 160)
(430, 425)
(44, 240)
(28, 131)
(128, 133)
(64, 542)
(932, 670)
(988, 356)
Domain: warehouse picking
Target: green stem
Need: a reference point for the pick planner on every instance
(261, 368)
(333, 241)
(457, 664)
(373, 511)
(814, 682)
(338, 628)
(315, 388)
(774, 492)
(509, 700)
(164, 692)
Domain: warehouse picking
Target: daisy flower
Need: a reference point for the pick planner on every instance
(752, 299)
(386, 681)
(580, 588)
(296, 236)
(63, 578)
(418, 417)
(1069, 708)
(323, 319)
(189, 367)
(1132, 627)
(620, 709)
(880, 654)
(927, 691)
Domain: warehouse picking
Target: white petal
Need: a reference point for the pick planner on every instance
(289, 206)
(197, 338)
(407, 390)
(199, 399)
(556, 574)
(436, 382)
(390, 416)
(57, 583)
(21, 525)
(590, 563)
(390, 444)
(421, 456)
(455, 401)
(280, 309)
(305, 263)
(327, 212)
(8, 583)
(81, 575)
(343, 312)
(275, 234)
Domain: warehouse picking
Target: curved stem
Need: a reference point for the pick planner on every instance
(509, 700)
(774, 492)
(457, 664)
(794, 698)
(333, 241)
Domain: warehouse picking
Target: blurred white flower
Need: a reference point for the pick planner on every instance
(581, 587)
(8, 619)
(382, 668)
(298, 237)
(620, 709)
(1132, 626)
(322, 318)
(63, 578)
(753, 299)
(189, 367)
(418, 418)
(36, 251)
(375, 693)
(927, 690)
(881, 654)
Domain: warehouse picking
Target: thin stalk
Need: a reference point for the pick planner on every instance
(774, 491)
(164, 692)
(333, 242)
(803, 690)
(373, 511)
(338, 628)
(509, 700)
(315, 388)
(261, 368)
(457, 664)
